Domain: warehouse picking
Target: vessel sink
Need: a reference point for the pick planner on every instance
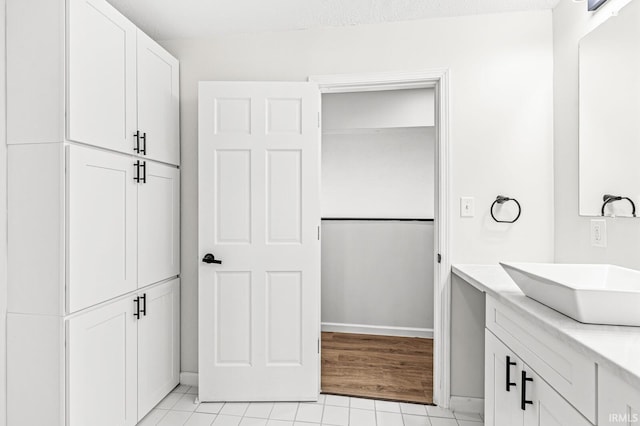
(593, 294)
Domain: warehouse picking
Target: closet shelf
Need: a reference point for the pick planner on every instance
(370, 130)
(381, 219)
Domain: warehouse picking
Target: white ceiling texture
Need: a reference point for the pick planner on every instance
(173, 19)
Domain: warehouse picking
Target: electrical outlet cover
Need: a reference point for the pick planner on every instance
(598, 232)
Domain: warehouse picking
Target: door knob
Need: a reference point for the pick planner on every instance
(209, 258)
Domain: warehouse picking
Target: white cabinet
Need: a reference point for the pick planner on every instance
(101, 358)
(101, 226)
(101, 75)
(618, 402)
(547, 407)
(158, 344)
(93, 215)
(158, 223)
(123, 357)
(569, 372)
(502, 374)
(103, 223)
(98, 80)
(529, 400)
(157, 102)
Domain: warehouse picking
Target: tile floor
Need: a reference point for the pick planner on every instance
(179, 408)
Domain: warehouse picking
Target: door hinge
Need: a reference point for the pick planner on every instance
(318, 345)
(439, 258)
(318, 119)
(318, 232)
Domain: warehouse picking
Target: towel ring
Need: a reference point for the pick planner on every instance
(501, 199)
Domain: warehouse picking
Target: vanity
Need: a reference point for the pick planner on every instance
(544, 368)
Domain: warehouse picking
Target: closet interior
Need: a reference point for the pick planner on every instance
(378, 182)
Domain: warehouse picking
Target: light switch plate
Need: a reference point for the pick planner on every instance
(598, 232)
(467, 207)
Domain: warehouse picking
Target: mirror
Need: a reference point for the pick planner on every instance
(610, 116)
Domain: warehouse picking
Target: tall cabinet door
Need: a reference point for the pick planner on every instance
(101, 76)
(502, 384)
(101, 366)
(158, 83)
(101, 226)
(158, 345)
(158, 224)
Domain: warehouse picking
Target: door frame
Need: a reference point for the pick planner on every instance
(438, 79)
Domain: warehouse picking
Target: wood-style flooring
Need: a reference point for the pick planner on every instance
(382, 367)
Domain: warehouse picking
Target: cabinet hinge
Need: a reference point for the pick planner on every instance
(439, 258)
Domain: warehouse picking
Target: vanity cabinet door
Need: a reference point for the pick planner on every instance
(618, 402)
(545, 406)
(502, 371)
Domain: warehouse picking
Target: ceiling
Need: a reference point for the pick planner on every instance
(171, 19)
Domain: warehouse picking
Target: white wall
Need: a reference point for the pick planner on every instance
(571, 22)
(378, 109)
(3, 221)
(379, 175)
(378, 154)
(378, 273)
(501, 118)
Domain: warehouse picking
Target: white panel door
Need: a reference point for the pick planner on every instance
(259, 213)
(158, 223)
(158, 97)
(546, 407)
(101, 77)
(502, 384)
(101, 366)
(158, 344)
(101, 226)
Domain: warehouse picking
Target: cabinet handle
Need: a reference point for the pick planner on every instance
(143, 151)
(136, 175)
(136, 311)
(523, 399)
(137, 136)
(509, 382)
(144, 171)
(143, 311)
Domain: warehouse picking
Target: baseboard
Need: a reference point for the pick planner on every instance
(379, 330)
(467, 405)
(189, 379)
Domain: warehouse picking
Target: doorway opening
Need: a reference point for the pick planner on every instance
(382, 157)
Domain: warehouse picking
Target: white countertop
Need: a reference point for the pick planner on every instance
(615, 348)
